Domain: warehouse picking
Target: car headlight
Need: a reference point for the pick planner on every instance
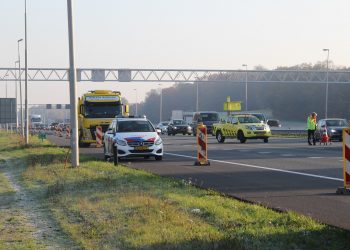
(250, 127)
(333, 130)
(121, 142)
(158, 141)
(174, 127)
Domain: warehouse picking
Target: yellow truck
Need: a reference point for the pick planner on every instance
(98, 108)
(242, 127)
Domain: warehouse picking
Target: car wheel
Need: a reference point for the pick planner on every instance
(219, 137)
(240, 137)
(158, 157)
(184, 133)
(115, 156)
(266, 140)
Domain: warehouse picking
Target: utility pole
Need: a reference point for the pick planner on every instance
(73, 90)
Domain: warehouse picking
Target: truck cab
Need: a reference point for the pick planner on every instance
(98, 108)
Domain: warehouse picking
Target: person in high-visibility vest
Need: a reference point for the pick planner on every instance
(311, 127)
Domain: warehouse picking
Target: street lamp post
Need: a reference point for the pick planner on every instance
(6, 98)
(197, 97)
(326, 111)
(161, 103)
(6, 85)
(246, 86)
(74, 141)
(16, 62)
(6, 75)
(20, 86)
(26, 74)
(136, 102)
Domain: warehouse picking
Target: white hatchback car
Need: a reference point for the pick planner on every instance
(163, 126)
(132, 137)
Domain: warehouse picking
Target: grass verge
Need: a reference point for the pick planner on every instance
(15, 229)
(100, 206)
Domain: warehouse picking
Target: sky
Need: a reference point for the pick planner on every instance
(186, 34)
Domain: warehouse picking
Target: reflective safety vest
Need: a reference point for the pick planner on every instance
(311, 123)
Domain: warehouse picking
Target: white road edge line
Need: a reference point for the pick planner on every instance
(265, 168)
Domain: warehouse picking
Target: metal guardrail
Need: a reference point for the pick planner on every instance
(289, 132)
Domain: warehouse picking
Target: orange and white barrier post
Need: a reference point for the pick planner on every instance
(202, 146)
(346, 163)
(99, 135)
(68, 132)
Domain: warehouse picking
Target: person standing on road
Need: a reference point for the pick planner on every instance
(311, 127)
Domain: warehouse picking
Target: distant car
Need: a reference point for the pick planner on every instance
(163, 126)
(179, 127)
(208, 118)
(274, 123)
(62, 126)
(132, 137)
(334, 127)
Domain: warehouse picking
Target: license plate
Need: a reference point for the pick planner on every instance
(141, 148)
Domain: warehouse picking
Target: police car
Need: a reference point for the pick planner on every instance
(132, 137)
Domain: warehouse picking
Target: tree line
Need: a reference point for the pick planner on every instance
(287, 101)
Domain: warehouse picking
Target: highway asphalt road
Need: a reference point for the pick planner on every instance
(284, 174)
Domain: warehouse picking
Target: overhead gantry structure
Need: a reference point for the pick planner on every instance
(177, 75)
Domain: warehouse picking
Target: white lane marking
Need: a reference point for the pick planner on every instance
(265, 168)
(316, 157)
(287, 155)
(264, 152)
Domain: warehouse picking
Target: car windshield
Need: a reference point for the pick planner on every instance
(259, 116)
(248, 119)
(102, 109)
(336, 123)
(179, 122)
(164, 123)
(134, 126)
(209, 117)
(35, 119)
